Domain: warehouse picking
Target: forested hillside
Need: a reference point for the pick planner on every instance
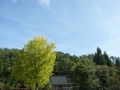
(96, 71)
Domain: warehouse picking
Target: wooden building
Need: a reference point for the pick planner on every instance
(61, 83)
(22, 87)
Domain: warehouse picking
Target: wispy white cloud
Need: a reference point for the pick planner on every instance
(44, 2)
(15, 1)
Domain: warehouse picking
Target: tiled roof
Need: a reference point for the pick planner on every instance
(59, 80)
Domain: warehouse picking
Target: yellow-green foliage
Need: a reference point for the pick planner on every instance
(35, 62)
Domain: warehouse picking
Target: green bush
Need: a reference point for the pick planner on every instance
(7, 87)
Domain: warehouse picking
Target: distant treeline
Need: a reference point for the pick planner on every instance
(97, 71)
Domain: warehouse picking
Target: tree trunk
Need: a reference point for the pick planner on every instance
(36, 87)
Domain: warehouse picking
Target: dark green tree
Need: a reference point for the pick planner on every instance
(99, 58)
(107, 59)
(117, 62)
(63, 63)
(7, 57)
(103, 76)
(84, 75)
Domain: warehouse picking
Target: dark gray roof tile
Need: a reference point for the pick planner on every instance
(59, 80)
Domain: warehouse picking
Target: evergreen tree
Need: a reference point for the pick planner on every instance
(118, 62)
(107, 59)
(84, 74)
(99, 58)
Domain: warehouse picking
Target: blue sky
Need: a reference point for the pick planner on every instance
(76, 26)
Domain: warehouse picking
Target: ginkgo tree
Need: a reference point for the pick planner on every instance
(35, 63)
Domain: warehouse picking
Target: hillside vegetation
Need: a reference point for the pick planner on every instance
(96, 71)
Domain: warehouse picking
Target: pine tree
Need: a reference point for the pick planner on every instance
(99, 58)
(107, 59)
